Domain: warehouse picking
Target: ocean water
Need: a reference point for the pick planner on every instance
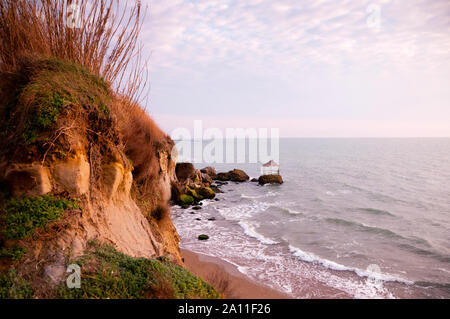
(361, 218)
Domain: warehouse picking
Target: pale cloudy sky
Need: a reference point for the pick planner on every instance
(323, 68)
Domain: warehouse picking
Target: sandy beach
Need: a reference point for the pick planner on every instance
(226, 277)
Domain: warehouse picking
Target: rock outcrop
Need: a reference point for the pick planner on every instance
(235, 175)
(270, 179)
(191, 186)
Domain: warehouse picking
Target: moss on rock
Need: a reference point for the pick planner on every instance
(186, 200)
(206, 192)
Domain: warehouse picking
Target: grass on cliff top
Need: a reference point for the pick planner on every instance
(22, 215)
(49, 85)
(107, 273)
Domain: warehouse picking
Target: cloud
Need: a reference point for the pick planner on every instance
(361, 60)
(187, 34)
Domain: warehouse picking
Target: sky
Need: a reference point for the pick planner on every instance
(323, 68)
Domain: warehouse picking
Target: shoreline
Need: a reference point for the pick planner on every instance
(228, 279)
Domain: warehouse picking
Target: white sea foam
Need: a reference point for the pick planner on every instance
(206, 203)
(271, 194)
(293, 212)
(240, 212)
(309, 257)
(250, 230)
(249, 197)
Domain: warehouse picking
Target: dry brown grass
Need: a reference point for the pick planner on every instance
(106, 43)
(142, 137)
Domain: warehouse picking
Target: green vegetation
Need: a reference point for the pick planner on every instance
(15, 253)
(193, 193)
(24, 214)
(54, 85)
(206, 192)
(43, 117)
(107, 273)
(186, 200)
(104, 108)
(12, 286)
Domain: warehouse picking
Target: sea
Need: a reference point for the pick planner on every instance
(355, 218)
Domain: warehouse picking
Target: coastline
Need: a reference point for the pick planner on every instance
(227, 277)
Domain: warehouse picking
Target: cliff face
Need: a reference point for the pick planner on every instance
(66, 136)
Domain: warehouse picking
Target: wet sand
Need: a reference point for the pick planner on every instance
(226, 278)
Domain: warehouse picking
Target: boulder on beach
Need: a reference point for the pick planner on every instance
(270, 179)
(235, 175)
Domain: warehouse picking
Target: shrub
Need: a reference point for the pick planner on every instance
(15, 253)
(107, 273)
(106, 44)
(160, 212)
(25, 214)
(12, 286)
(143, 139)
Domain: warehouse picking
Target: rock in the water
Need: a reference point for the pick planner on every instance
(220, 183)
(206, 192)
(216, 189)
(194, 194)
(203, 237)
(211, 171)
(236, 175)
(186, 200)
(198, 219)
(212, 219)
(184, 171)
(270, 179)
(254, 180)
(197, 208)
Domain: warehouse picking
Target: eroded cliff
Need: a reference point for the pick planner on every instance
(66, 138)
